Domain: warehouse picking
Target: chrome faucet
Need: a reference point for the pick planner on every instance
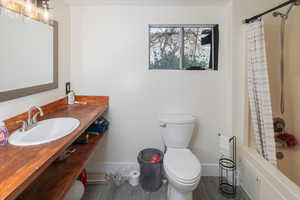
(32, 120)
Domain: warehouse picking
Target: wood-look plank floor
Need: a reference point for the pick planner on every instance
(207, 190)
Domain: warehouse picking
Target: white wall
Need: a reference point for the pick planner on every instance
(109, 56)
(11, 108)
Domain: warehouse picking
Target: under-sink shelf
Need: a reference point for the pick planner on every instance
(57, 179)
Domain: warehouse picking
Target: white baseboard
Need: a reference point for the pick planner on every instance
(125, 168)
(207, 169)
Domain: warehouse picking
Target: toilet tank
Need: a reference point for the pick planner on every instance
(176, 129)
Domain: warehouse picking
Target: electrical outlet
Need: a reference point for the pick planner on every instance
(68, 87)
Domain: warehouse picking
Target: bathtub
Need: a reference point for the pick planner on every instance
(289, 165)
(263, 181)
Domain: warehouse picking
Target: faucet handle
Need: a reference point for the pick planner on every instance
(24, 125)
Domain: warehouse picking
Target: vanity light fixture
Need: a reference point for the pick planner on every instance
(46, 15)
(4, 1)
(35, 9)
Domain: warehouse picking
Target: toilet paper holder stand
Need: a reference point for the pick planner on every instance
(227, 171)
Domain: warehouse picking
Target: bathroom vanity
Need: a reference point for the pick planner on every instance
(29, 172)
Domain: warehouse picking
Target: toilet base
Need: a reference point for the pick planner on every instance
(174, 194)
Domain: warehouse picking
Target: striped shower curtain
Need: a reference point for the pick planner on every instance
(259, 92)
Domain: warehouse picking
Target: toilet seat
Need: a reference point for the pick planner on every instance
(182, 165)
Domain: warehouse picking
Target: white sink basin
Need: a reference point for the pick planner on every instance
(45, 131)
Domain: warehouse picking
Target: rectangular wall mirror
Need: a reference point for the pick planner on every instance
(184, 47)
(28, 56)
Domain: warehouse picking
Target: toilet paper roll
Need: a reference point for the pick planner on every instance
(76, 191)
(225, 147)
(134, 177)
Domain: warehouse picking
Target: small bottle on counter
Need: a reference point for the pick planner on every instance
(71, 97)
(3, 134)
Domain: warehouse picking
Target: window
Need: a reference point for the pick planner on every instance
(183, 47)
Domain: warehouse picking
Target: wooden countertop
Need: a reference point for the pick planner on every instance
(20, 166)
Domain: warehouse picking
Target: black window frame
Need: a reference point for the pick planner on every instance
(214, 54)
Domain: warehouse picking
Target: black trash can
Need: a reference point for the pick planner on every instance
(151, 168)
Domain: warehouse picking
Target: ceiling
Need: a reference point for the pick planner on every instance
(149, 2)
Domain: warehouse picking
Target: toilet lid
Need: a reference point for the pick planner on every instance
(182, 164)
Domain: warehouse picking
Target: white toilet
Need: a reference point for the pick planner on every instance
(182, 167)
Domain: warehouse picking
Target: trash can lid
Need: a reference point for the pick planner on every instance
(150, 156)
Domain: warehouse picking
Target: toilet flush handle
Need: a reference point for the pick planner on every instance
(162, 125)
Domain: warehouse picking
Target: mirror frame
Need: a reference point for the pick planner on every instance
(17, 93)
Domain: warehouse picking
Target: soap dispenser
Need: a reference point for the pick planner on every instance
(3, 134)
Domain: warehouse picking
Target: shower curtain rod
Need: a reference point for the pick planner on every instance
(247, 21)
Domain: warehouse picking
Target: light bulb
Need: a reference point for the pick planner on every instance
(28, 6)
(46, 15)
(4, 2)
